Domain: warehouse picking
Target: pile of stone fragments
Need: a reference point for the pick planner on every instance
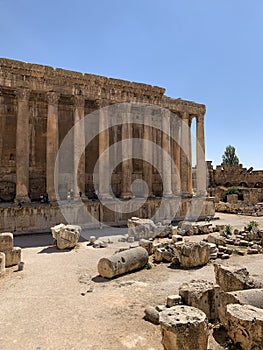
(191, 318)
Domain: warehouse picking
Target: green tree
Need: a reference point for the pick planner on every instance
(229, 156)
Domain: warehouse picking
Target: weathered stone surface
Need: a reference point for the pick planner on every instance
(231, 278)
(203, 295)
(146, 228)
(252, 297)
(192, 254)
(12, 257)
(184, 327)
(66, 236)
(216, 239)
(6, 241)
(2, 263)
(173, 300)
(146, 244)
(245, 326)
(152, 315)
(123, 262)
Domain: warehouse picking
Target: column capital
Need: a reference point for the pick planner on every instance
(79, 101)
(200, 118)
(22, 93)
(52, 97)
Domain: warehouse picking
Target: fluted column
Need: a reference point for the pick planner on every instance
(200, 156)
(22, 146)
(148, 156)
(186, 156)
(126, 134)
(79, 147)
(104, 163)
(166, 150)
(52, 143)
(176, 152)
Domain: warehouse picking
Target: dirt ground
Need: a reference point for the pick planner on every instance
(58, 302)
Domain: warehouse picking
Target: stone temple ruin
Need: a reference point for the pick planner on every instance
(38, 107)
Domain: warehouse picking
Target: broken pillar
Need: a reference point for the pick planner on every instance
(203, 295)
(123, 262)
(245, 326)
(184, 327)
(252, 297)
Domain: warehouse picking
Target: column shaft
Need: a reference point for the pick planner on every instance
(200, 157)
(126, 159)
(166, 150)
(104, 162)
(176, 153)
(186, 156)
(22, 146)
(52, 144)
(148, 156)
(79, 147)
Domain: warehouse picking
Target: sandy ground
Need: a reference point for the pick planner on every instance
(58, 302)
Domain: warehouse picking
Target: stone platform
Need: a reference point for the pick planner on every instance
(36, 217)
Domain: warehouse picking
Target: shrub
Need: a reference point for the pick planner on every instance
(228, 229)
(252, 224)
(233, 190)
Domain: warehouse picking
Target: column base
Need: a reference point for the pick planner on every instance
(186, 195)
(22, 199)
(103, 196)
(201, 193)
(168, 195)
(126, 195)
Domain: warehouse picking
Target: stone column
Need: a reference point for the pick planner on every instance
(52, 143)
(126, 135)
(104, 163)
(200, 157)
(79, 147)
(176, 153)
(148, 156)
(186, 156)
(166, 151)
(22, 146)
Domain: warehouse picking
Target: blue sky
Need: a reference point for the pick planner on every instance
(206, 51)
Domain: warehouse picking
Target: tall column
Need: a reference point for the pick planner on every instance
(176, 152)
(126, 135)
(186, 156)
(200, 156)
(52, 143)
(148, 156)
(104, 163)
(22, 146)
(166, 150)
(79, 147)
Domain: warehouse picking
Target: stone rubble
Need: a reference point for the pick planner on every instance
(65, 236)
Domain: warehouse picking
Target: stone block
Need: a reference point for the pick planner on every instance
(173, 300)
(66, 236)
(245, 326)
(203, 295)
(146, 244)
(216, 239)
(252, 297)
(192, 254)
(12, 257)
(152, 315)
(183, 327)
(6, 241)
(2, 263)
(231, 278)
